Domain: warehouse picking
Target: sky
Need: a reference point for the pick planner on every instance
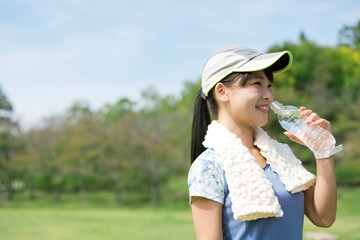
(54, 53)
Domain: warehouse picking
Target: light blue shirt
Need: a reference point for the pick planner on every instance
(207, 179)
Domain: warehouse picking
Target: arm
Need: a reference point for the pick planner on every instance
(321, 199)
(207, 215)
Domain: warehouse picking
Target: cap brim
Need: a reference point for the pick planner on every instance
(277, 62)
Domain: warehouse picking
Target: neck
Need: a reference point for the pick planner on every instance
(246, 134)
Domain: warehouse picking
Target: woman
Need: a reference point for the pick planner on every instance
(242, 183)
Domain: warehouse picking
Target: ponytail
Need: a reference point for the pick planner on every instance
(201, 121)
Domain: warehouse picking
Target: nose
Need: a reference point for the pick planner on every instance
(268, 94)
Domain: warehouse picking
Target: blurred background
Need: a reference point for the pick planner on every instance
(96, 103)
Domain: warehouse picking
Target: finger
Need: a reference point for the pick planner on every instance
(306, 112)
(323, 123)
(313, 117)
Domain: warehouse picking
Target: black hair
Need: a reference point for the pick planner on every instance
(201, 116)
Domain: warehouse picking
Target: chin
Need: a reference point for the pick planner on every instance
(261, 124)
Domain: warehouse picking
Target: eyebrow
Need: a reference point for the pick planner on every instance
(257, 76)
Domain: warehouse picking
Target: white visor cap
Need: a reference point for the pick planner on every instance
(241, 59)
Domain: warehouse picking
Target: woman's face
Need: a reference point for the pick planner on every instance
(249, 105)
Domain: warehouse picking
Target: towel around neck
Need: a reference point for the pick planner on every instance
(250, 191)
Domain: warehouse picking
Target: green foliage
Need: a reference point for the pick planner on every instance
(9, 144)
(350, 36)
(5, 106)
(118, 110)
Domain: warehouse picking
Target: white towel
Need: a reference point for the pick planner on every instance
(250, 191)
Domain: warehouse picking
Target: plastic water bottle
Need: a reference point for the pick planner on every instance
(316, 138)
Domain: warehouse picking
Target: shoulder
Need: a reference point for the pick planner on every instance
(206, 177)
(207, 160)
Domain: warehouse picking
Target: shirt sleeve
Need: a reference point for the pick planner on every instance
(206, 179)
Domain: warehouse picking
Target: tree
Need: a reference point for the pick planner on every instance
(48, 145)
(121, 108)
(5, 107)
(350, 36)
(82, 141)
(9, 131)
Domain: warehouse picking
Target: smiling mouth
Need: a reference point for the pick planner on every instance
(263, 108)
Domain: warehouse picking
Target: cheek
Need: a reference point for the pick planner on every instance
(254, 94)
(254, 91)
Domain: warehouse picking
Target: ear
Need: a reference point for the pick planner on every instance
(221, 92)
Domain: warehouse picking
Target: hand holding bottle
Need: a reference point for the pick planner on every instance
(307, 128)
(312, 118)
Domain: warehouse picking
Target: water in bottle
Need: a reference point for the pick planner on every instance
(316, 138)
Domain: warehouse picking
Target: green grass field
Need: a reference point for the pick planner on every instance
(94, 224)
(89, 221)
